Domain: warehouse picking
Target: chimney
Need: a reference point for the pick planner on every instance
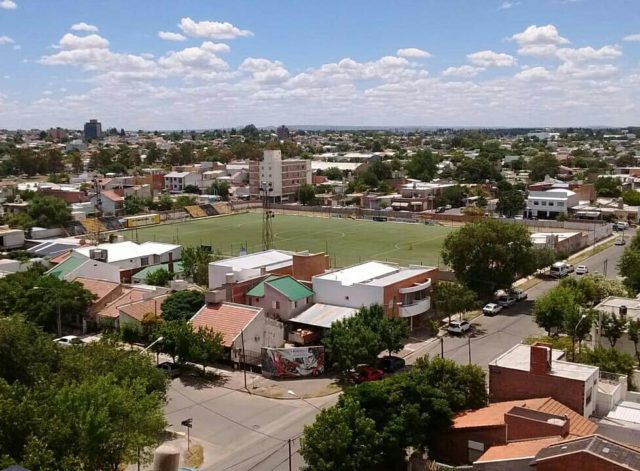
(170, 263)
(540, 359)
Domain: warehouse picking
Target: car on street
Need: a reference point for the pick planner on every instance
(519, 294)
(491, 309)
(458, 327)
(368, 373)
(582, 270)
(391, 364)
(68, 340)
(620, 241)
(506, 301)
(171, 369)
(570, 268)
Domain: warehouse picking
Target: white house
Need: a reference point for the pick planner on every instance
(550, 203)
(11, 238)
(246, 267)
(176, 182)
(626, 307)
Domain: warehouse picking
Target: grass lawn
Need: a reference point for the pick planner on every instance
(347, 241)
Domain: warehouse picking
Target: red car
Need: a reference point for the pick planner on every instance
(368, 373)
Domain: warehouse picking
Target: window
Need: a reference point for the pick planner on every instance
(560, 203)
(144, 261)
(544, 203)
(536, 203)
(550, 203)
(589, 395)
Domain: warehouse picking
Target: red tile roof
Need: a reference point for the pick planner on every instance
(139, 309)
(227, 318)
(98, 287)
(129, 295)
(112, 195)
(60, 258)
(493, 415)
(515, 450)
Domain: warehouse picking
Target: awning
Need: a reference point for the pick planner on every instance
(400, 205)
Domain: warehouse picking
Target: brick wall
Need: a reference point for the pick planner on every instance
(522, 428)
(306, 266)
(453, 447)
(508, 385)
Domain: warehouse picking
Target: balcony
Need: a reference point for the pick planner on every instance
(418, 307)
(415, 288)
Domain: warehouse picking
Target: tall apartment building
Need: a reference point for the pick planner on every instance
(283, 133)
(92, 129)
(282, 177)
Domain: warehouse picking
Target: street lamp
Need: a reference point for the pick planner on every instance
(159, 339)
(59, 319)
(575, 334)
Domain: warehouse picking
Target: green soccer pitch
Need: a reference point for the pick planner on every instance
(347, 241)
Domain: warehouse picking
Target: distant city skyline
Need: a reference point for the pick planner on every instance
(202, 65)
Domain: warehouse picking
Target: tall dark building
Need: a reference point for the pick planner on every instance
(283, 133)
(92, 129)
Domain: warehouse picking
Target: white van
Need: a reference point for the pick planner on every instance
(559, 269)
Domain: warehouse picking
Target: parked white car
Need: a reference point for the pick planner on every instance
(506, 301)
(69, 340)
(519, 294)
(582, 270)
(491, 309)
(458, 327)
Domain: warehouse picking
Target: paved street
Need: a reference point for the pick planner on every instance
(243, 432)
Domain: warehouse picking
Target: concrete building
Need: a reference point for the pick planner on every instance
(404, 292)
(628, 308)
(111, 203)
(530, 371)
(550, 203)
(11, 238)
(281, 297)
(92, 129)
(283, 133)
(248, 267)
(279, 178)
(176, 182)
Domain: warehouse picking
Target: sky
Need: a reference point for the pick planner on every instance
(203, 64)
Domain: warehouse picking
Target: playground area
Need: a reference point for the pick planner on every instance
(346, 240)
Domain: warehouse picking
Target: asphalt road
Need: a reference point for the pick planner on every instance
(242, 432)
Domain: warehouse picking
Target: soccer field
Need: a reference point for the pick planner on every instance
(347, 241)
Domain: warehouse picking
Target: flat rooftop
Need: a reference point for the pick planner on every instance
(268, 258)
(323, 315)
(519, 358)
(127, 250)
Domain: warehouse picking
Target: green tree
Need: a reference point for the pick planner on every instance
(608, 186)
(207, 347)
(511, 202)
(452, 195)
(476, 170)
(422, 166)
(333, 173)
(341, 439)
(633, 331)
(631, 197)
(191, 189)
(610, 360)
(392, 331)
(49, 211)
(220, 188)
(541, 165)
(177, 339)
(551, 309)
(21, 221)
(489, 255)
(613, 326)
(306, 194)
(629, 266)
(182, 305)
(159, 277)
(195, 263)
(184, 200)
(133, 204)
(451, 298)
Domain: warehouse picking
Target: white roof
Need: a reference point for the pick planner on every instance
(519, 358)
(323, 315)
(128, 250)
(399, 276)
(360, 273)
(268, 258)
(316, 165)
(177, 174)
(627, 411)
(562, 191)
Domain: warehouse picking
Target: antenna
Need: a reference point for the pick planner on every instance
(267, 216)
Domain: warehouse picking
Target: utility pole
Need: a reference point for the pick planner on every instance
(469, 343)
(441, 347)
(244, 365)
(289, 454)
(604, 270)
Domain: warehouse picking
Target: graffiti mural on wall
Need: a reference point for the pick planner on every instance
(292, 362)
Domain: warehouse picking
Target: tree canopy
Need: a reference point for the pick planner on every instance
(182, 305)
(422, 166)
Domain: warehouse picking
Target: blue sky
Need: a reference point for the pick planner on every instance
(156, 64)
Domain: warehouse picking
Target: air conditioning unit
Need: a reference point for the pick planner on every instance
(215, 296)
(98, 254)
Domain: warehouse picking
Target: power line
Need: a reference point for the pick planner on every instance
(273, 452)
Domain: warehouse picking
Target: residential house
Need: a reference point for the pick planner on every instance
(137, 312)
(247, 267)
(531, 371)
(402, 291)
(176, 182)
(474, 432)
(109, 202)
(628, 308)
(75, 265)
(281, 297)
(245, 329)
(11, 238)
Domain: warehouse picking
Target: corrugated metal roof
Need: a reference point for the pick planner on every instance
(72, 262)
(288, 286)
(323, 315)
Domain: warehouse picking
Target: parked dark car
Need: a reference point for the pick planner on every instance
(171, 369)
(391, 364)
(367, 373)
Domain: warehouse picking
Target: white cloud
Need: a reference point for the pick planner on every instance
(588, 53)
(491, 59)
(8, 5)
(215, 47)
(169, 36)
(534, 74)
(82, 26)
(211, 29)
(264, 70)
(539, 35)
(413, 53)
(70, 42)
(6, 40)
(588, 72)
(632, 37)
(462, 71)
(507, 4)
(193, 59)
(17, 47)
(539, 50)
